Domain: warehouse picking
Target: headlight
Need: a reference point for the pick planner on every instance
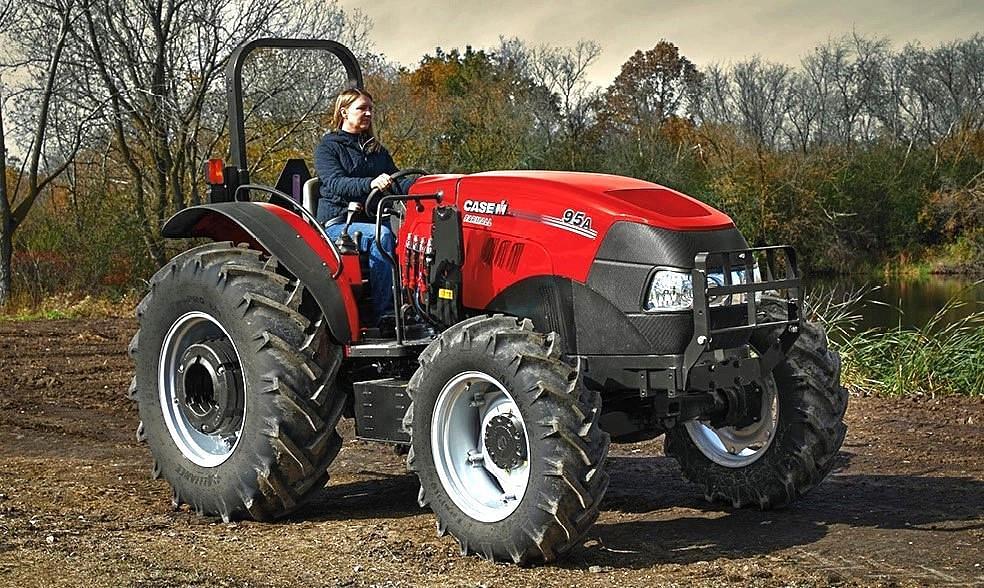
(674, 290)
(670, 290)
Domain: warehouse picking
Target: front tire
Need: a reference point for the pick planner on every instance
(235, 384)
(791, 448)
(505, 441)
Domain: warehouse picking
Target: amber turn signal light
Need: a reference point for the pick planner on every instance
(215, 171)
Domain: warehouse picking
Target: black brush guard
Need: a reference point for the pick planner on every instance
(716, 356)
(779, 273)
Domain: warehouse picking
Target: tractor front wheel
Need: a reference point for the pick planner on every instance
(505, 441)
(790, 447)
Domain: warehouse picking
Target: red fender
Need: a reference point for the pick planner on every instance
(295, 243)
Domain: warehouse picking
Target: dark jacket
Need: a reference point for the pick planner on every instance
(346, 170)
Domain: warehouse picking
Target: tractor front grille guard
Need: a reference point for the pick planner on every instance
(770, 271)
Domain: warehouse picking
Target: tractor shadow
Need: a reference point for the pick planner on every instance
(652, 516)
(385, 496)
(357, 490)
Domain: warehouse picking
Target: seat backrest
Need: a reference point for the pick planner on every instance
(294, 174)
(310, 195)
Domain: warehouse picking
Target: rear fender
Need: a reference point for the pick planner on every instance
(286, 236)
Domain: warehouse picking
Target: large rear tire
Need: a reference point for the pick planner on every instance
(505, 441)
(791, 448)
(235, 384)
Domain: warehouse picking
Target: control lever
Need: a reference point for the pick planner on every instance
(345, 243)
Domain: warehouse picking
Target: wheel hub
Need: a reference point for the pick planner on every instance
(202, 389)
(208, 386)
(480, 446)
(505, 442)
(744, 407)
(745, 432)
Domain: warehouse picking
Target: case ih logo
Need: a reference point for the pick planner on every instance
(484, 207)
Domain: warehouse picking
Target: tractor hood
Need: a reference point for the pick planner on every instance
(523, 224)
(615, 197)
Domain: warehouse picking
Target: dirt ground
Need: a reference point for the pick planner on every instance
(905, 505)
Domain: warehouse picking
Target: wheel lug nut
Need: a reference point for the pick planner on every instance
(476, 458)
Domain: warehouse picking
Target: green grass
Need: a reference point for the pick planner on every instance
(69, 306)
(34, 315)
(940, 358)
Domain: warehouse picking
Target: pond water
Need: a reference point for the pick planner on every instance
(910, 302)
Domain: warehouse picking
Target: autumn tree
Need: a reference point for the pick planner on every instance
(652, 86)
(644, 121)
(459, 113)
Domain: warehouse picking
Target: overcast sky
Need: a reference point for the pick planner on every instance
(706, 31)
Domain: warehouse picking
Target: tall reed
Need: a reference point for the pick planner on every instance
(941, 357)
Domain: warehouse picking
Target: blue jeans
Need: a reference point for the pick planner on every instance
(380, 269)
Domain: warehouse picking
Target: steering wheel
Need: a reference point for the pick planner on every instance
(377, 193)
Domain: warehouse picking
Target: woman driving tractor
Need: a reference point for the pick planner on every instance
(351, 162)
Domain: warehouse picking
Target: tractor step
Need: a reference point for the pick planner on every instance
(388, 348)
(379, 409)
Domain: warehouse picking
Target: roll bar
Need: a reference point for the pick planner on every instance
(234, 86)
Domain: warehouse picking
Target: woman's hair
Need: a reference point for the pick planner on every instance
(344, 100)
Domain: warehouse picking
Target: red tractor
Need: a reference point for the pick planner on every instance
(539, 315)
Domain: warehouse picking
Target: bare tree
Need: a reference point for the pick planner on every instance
(562, 71)
(752, 95)
(7, 15)
(954, 71)
(158, 65)
(38, 64)
(821, 69)
(717, 101)
(761, 93)
(863, 95)
(837, 96)
(933, 93)
(804, 113)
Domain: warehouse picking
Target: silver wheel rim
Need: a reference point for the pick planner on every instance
(738, 447)
(206, 450)
(462, 413)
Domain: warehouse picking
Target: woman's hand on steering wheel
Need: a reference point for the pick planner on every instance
(381, 182)
(379, 189)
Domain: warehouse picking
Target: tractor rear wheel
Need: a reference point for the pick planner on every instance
(505, 441)
(235, 383)
(790, 447)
